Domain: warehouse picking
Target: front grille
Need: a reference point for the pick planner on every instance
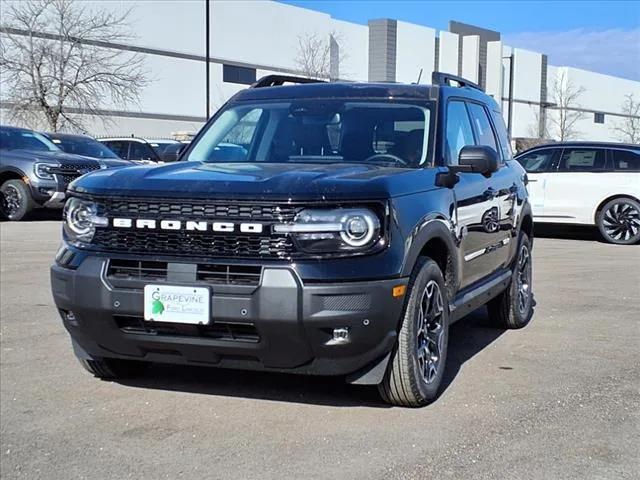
(183, 243)
(196, 243)
(120, 271)
(239, 332)
(70, 171)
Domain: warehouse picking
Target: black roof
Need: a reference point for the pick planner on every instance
(345, 90)
(583, 144)
(69, 136)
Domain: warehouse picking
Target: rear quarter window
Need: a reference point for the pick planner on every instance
(626, 160)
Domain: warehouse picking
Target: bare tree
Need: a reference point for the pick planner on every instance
(566, 114)
(320, 56)
(628, 129)
(55, 64)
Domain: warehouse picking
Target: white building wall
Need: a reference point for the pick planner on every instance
(471, 57)
(263, 33)
(527, 75)
(448, 53)
(602, 93)
(494, 70)
(415, 51)
(354, 46)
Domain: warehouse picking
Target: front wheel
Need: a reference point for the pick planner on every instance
(417, 365)
(513, 308)
(17, 199)
(619, 221)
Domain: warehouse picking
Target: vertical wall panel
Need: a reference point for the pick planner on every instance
(415, 51)
(471, 58)
(448, 53)
(493, 82)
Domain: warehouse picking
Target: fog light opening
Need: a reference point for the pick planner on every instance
(341, 335)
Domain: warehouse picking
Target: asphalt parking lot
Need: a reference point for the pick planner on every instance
(559, 399)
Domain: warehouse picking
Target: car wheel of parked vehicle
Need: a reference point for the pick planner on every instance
(513, 308)
(17, 199)
(619, 221)
(417, 365)
(111, 368)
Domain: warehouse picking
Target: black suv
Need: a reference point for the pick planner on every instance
(360, 221)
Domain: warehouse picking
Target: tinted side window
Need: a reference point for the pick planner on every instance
(459, 132)
(626, 160)
(503, 136)
(141, 151)
(582, 160)
(537, 162)
(119, 148)
(483, 126)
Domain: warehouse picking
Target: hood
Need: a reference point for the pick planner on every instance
(40, 156)
(281, 181)
(113, 162)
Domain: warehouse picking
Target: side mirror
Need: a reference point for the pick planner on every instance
(478, 159)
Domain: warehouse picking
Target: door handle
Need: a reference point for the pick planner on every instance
(531, 180)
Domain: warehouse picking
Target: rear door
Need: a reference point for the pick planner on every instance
(538, 165)
(573, 190)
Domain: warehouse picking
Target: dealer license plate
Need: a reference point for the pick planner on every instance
(166, 303)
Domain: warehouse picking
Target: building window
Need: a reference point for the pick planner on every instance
(598, 117)
(243, 75)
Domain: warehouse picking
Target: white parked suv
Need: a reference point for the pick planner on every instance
(586, 183)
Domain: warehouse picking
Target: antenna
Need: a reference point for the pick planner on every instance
(419, 76)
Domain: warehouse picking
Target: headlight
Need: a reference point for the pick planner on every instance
(43, 170)
(341, 229)
(80, 220)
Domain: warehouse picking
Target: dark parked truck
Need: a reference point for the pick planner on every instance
(360, 221)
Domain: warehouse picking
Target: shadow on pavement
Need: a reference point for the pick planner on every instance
(567, 232)
(467, 338)
(41, 214)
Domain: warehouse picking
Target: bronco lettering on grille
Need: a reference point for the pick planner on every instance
(201, 226)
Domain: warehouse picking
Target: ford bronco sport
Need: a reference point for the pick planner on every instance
(359, 222)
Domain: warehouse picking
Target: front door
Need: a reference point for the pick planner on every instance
(538, 165)
(478, 209)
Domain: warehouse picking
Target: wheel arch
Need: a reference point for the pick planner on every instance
(11, 174)
(436, 241)
(601, 205)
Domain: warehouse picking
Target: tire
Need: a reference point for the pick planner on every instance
(416, 368)
(513, 308)
(112, 369)
(619, 221)
(17, 199)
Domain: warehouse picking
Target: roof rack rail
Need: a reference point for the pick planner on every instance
(277, 80)
(441, 78)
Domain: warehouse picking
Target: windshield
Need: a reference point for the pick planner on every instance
(318, 131)
(11, 139)
(84, 146)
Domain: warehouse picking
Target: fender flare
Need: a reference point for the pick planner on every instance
(12, 169)
(437, 228)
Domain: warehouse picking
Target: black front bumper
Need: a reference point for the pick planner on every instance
(280, 324)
